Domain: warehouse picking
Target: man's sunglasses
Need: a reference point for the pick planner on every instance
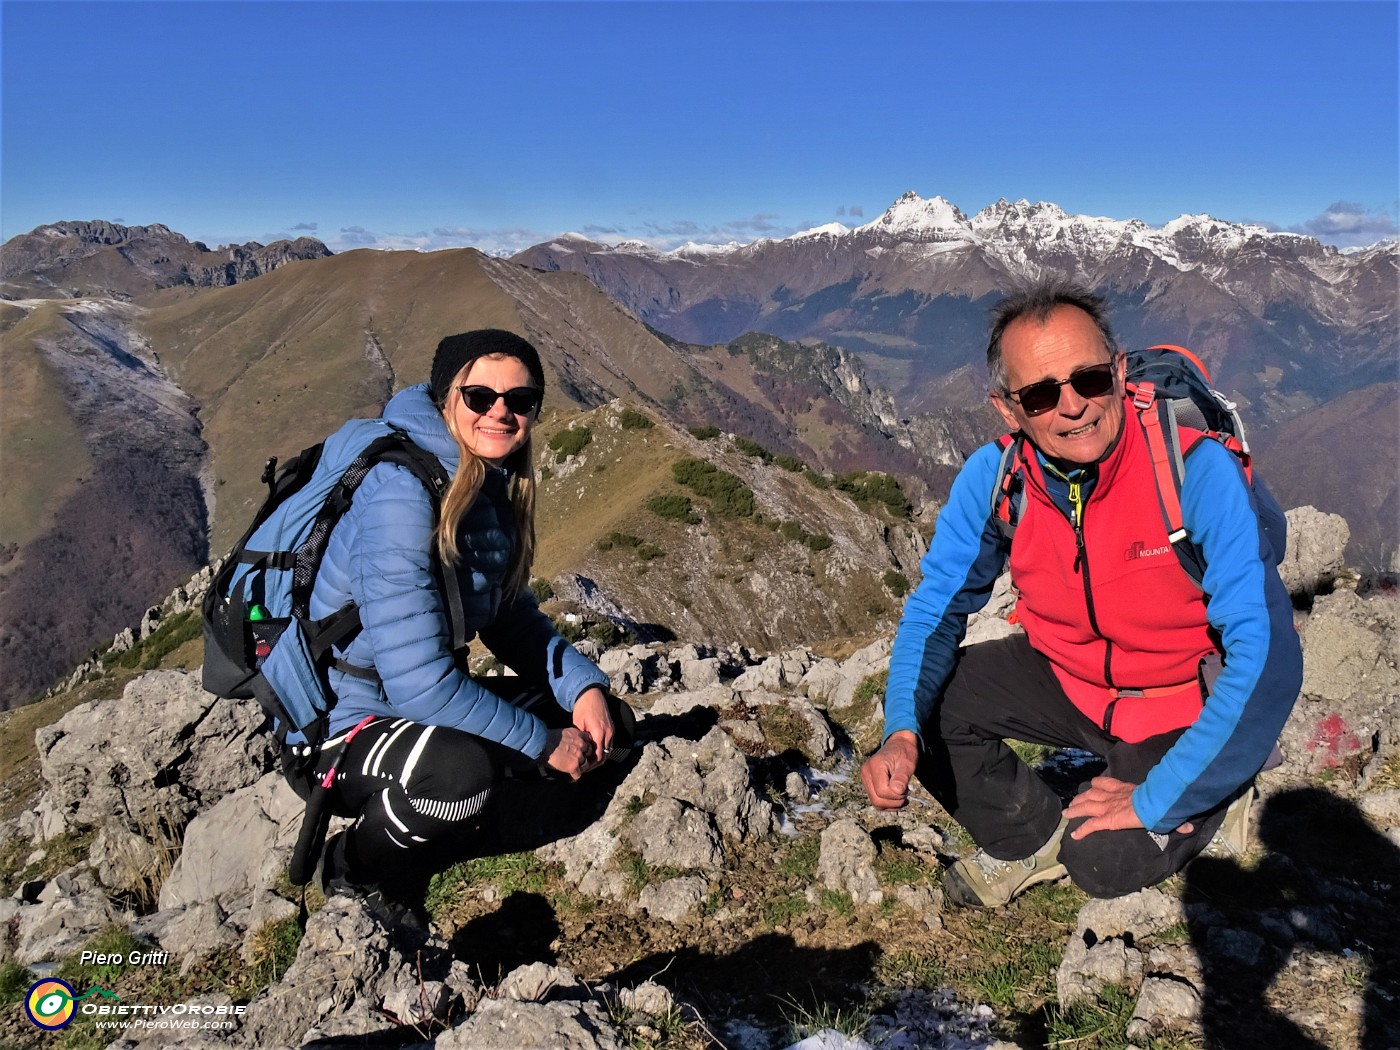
(522, 400)
(1038, 398)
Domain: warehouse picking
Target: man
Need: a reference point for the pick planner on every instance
(1120, 646)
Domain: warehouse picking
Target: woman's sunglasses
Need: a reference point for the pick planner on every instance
(1038, 398)
(522, 400)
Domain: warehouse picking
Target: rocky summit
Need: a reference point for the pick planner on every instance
(726, 886)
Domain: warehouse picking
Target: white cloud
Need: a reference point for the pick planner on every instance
(1347, 224)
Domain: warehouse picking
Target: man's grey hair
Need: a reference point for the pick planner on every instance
(1037, 302)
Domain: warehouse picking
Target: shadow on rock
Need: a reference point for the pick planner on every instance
(1327, 884)
(768, 976)
(521, 930)
(689, 725)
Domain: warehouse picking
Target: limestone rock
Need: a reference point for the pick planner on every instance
(1316, 542)
(243, 843)
(673, 899)
(848, 862)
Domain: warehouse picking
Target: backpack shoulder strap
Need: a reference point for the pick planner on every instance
(1009, 488)
(1160, 428)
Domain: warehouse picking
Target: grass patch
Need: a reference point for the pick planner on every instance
(908, 969)
(509, 872)
(147, 654)
(896, 866)
(640, 874)
(871, 687)
(782, 910)
(838, 902)
(805, 1021)
(798, 859)
(273, 951)
(783, 730)
(1096, 1024)
(15, 981)
(115, 940)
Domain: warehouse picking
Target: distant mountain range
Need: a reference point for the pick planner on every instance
(147, 378)
(66, 259)
(1283, 321)
(1290, 328)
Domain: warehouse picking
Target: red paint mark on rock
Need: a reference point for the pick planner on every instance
(1335, 739)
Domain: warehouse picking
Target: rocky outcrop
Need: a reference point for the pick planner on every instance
(728, 757)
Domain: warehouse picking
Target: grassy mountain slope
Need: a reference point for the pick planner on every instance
(41, 446)
(784, 563)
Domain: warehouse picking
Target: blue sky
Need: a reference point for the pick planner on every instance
(497, 125)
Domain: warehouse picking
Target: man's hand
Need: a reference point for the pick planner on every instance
(1107, 805)
(886, 773)
(591, 717)
(568, 751)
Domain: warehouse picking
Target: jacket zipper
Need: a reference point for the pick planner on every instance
(1081, 565)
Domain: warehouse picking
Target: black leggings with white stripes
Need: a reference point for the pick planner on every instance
(407, 784)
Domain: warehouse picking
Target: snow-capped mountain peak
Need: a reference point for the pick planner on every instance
(913, 218)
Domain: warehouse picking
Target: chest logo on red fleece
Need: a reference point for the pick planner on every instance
(1142, 550)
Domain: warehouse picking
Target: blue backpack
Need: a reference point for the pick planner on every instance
(260, 641)
(1171, 389)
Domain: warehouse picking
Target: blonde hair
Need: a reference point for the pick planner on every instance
(466, 486)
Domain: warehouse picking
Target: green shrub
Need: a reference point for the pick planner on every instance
(820, 481)
(673, 505)
(793, 531)
(618, 539)
(570, 442)
(789, 463)
(875, 487)
(819, 542)
(542, 589)
(631, 419)
(752, 448)
(728, 496)
(705, 433)
(608, 634)
(570, 632)
(897, 583)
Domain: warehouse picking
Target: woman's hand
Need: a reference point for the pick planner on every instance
(591, 717)
(568, 751)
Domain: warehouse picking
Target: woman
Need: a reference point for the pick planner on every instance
(418, 744)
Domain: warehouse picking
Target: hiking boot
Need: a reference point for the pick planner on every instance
(1231, 839)
(982, 881)
(391, 911)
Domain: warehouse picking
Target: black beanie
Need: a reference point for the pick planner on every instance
(457, 351)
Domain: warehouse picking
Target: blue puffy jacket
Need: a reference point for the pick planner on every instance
(380, 557)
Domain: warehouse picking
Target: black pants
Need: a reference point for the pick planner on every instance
(1004, 690)
(408, 786)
